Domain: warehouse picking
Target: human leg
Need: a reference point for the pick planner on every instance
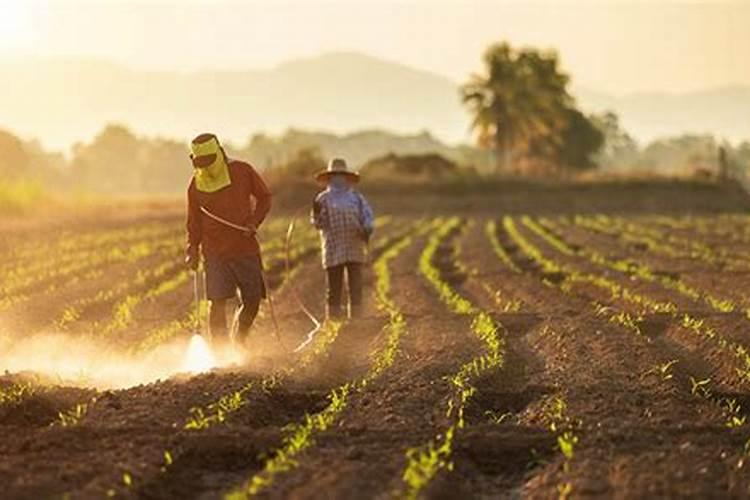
(354, 284)
(249, 277)
(219, 288)
(335, 282)
(248, 311)
(217, 320)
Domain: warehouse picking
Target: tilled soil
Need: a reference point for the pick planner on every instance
(627, 417)
(365, 453)
(583, 405)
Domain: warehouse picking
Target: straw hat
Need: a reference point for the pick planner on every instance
(337, 166)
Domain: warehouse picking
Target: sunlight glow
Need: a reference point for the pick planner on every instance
(15, 26)
(198, 357)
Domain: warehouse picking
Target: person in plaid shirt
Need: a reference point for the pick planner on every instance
(345, 222)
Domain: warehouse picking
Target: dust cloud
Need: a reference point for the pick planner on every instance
(57, 358)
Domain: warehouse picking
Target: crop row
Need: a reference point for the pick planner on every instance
(425, 461)
(724, 227)
(633, 268)
(504, 303)
(160, 280)
(16, 286)
(554, 412)
(572, 275)
(688, 321)
(502, 254)
(663, 243)
(39, 258)
(300, 436)
(566, 429)
(729, 407)
(35, 253)
(219, 411)
(16, 392)
(142, 277)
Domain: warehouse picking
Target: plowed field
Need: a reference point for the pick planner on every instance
(500, 356)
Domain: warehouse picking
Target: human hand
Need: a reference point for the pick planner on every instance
(250, 231)
(192, 260)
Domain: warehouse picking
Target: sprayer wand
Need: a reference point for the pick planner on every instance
(198, 324)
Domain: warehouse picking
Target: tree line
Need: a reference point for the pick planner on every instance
(524, 120)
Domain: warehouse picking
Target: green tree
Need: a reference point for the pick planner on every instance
(14, 160)
(521, 100)
(580, 140)
(619, 148)
(112, 162)
(165, 165)
(300, 168)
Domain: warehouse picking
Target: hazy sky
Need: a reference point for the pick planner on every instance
(613, 46)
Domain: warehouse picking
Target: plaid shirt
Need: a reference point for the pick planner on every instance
(345, 221)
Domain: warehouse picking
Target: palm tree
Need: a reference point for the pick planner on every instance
(521, 97)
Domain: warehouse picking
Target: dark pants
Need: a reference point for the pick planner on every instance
(223, 279)
(335, 278)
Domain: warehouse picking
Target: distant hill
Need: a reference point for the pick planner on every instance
(64, 101)
(61, 102)
(722, 112)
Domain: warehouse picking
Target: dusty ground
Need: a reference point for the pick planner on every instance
(614, 382)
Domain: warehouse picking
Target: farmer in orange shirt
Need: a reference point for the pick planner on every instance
(223, 191)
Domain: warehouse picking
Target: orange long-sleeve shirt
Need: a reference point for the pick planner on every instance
(245, 201)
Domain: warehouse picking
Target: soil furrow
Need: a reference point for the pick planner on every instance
(153, 415)
(510, 357)
(715, 337)
(402, 408)
(211, 463)
(597, 369)
(699, 274)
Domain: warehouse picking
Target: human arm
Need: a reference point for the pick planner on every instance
(262, 194)
(366, 217)
(318, 214)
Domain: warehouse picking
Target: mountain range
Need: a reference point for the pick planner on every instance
(723, 112)
(62, 101)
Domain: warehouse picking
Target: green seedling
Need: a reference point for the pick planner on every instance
(700, 387)
(663, 371)
(300, 436)
(16, 393)
(496, 418)
(567, 441)
(564, 490)
(733, 410)
(424, 462)
(74, 416)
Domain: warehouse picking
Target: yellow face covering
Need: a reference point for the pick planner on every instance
(216, 175)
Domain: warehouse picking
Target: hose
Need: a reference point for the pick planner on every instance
(287, 250)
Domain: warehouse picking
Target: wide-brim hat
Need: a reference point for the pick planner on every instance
(337, 166)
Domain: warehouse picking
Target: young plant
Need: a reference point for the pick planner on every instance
(73, 416)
